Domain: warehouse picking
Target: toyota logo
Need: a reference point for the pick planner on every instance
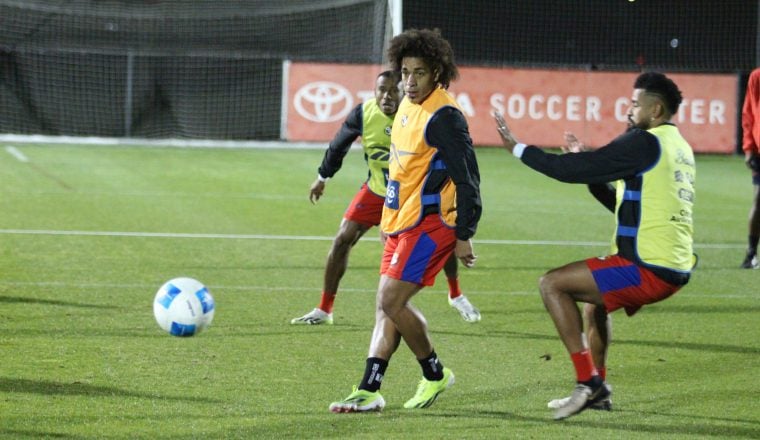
(323, 101)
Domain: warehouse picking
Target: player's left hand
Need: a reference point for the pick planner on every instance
(573, 144)
(463, 250)
(316, 191)
(507, 138)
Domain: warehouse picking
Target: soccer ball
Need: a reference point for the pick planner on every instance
(183, 307)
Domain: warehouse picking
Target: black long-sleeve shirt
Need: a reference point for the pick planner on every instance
(348, 132)
(448, 132)
(627, 155)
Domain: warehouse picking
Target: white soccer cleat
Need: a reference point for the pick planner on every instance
(583, 397)
(315, 317)
(465, 308)
(602, 405)
(558, 403)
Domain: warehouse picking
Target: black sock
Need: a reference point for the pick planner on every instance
(594, 383)
(432, 368)
(752, 249)
(373, 374)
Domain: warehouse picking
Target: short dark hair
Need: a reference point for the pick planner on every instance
(430, 46)
(659, 84)
(390, 74)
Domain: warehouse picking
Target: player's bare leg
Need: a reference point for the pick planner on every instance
(560, 289)
(599, 334)
(393, 299)
(348, 235)
(395, 318)
(385, 336)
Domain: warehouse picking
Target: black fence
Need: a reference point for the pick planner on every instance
(213, 69)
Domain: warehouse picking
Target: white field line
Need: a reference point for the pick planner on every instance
(314, 238)
(292, 237)
(247, 288)
(13, 151)
(178, 143)
(162, 235)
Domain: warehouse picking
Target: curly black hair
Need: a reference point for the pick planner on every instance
(430, 46)
(659, 84)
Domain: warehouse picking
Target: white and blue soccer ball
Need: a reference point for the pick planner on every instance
(183, 307)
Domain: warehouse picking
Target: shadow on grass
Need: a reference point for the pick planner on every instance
(49, 388)
(700, 417)
(500, 334)
(700, 309)
(17, 433)
(715, 348)
(686, 426)
(287, 329)
(50, 302)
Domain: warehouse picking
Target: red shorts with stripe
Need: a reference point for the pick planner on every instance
(626, 285)
(366, 208)
(417, 255)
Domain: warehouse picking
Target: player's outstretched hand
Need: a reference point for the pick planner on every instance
(317, 189)
(572, 144)
(507, 138)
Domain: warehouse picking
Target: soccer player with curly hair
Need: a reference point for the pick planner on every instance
(432, 208)
(372, 120)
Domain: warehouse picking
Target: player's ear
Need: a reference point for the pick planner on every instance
(436, 74)
(659, 109)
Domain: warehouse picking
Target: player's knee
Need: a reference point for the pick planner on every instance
(547, 284)
(344, 241)
(388, 305)
(341, 243)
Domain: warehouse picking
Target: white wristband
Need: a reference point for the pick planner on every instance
(322, 179)
(518, 150)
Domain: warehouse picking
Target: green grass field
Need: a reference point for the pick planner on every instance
(89, 233)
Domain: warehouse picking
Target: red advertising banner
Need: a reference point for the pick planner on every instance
(539, 105)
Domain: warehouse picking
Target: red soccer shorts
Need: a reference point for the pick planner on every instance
(626, 285)
(418, 254)
(366, 208)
